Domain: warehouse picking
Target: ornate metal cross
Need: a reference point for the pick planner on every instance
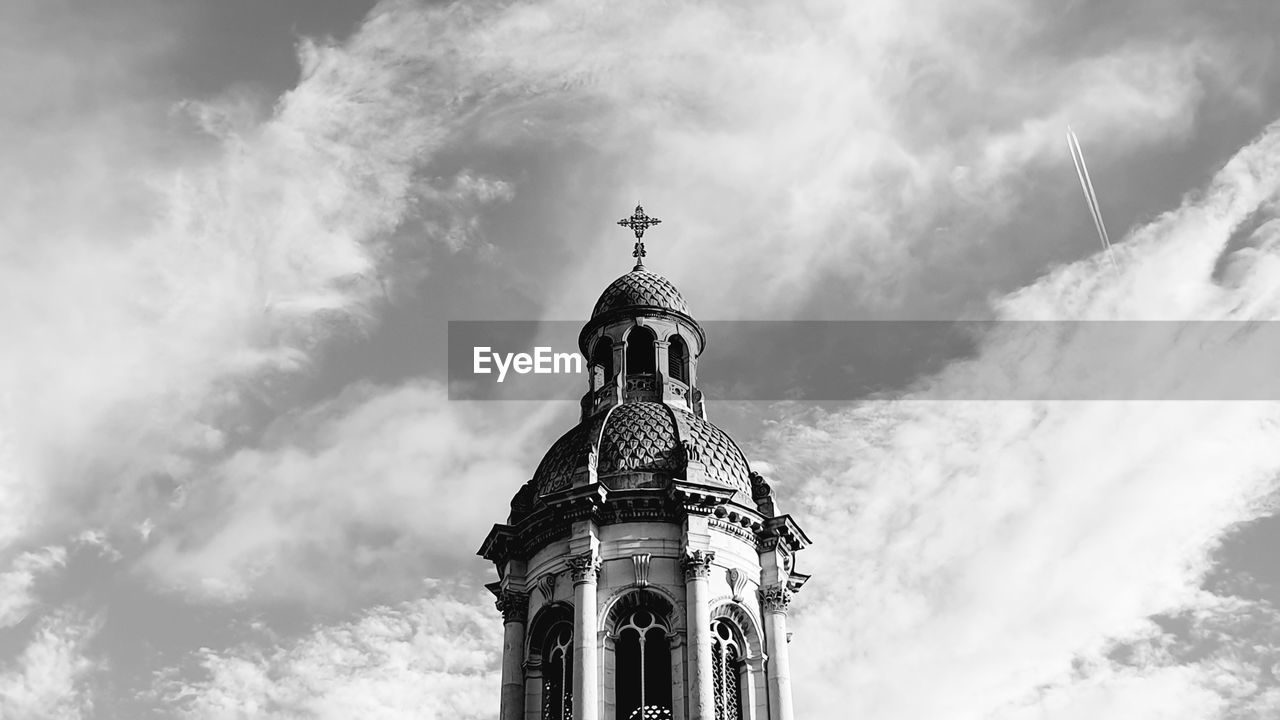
(639, 222)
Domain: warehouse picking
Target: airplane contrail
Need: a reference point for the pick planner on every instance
(1090, 198)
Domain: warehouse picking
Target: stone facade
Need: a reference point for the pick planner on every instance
(644, 570)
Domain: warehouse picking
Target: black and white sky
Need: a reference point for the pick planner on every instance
(232, 233)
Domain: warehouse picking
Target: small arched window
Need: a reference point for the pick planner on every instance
(678, 360)
(557, 673)
(640, 352)
(602, 357)
(726, 667)
(643, 668)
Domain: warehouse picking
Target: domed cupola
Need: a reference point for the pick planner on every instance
(644, 445)
(640, 290)
(641, 343)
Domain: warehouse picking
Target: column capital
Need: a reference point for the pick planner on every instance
(513, 605)
(776, 598)
(697, 563)
(584, 568)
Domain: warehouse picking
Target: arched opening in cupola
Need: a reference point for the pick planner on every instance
(602, 359)
(640, 355)
(643, 667)
(678, 360)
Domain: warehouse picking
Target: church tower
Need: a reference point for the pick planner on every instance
(644, 571)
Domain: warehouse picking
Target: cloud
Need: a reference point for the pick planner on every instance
(158, 324)
(146, 329)
(48, 681)
(432, 658)
(708, 107)
(883, 147)
(17, 584)
(168, 274)
(998, 552)
(356, 499)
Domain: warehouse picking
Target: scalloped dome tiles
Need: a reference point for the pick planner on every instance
(642, 437)
(640, 288)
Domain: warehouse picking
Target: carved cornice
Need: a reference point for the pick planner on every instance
(782, 530)
(513, 605)
(554, 518)
(734, 530)
(775, 598)
(645, 509)
(498, 543)
(696, 498)
(584, 568)
(796, 581)
(697, 564)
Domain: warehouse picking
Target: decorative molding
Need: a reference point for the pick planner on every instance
(775, 598)
(760, 487)
(738, 583)
(639, 511)
(585, 568)
(745, 618)
(697, 564)
(640, 563)
(547, 586)
(641, 383)
(513, 605)
(688, 452)
(733, 529)
(655, 598)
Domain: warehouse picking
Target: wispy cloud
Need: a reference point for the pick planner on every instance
(17, 594)
(49, 680)
(358, 499)
(999, 552)
(431, 658)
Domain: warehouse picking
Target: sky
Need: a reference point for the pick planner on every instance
(232, 483)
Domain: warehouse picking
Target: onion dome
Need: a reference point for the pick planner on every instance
(640, 290)
(639, 293)
(641, 445)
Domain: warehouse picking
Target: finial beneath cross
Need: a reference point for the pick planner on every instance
(639, 222)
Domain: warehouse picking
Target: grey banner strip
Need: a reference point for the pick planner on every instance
(923, 360)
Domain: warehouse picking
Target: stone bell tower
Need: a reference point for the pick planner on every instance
(644, 571)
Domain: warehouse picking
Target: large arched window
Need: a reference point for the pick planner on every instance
(726, 667)
(643, 668)
(678, 360)
(557, 673)
(640, 351)
(602, 357)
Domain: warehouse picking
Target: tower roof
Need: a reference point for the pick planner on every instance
(640, 289)
(643, 437)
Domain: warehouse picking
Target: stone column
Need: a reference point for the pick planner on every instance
(515, 612)
(585, 570)
(661, 365)
(775, 599)
(697, 581)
